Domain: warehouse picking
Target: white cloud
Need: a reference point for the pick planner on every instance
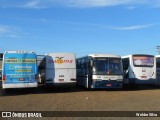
(38, 4)
(102, 3)
(131, 7)
(34, 4)
(14, 36)
(4, 29)
(7, 31)
(107, 27)
(136, 27)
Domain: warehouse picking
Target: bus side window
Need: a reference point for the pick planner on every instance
(86, 66)
(158, 68)
(158, 63)
(80, 67)
(82, 63)
(125, 67)
(78, 64)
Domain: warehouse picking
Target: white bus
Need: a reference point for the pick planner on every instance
(158, 70)
(39, 59)
(58, 69)
(100, 71)
(139, 69)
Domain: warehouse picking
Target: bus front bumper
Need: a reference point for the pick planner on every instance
(136, 81)
(60, 84)
(107, 84)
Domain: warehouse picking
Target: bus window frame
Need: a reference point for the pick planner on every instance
(108, 60)
(142, 65)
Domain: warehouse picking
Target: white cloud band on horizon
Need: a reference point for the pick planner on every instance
(103, 3)
(135, 27)
(8, 31)
(3, 29)
(98, 25)
(39, 4)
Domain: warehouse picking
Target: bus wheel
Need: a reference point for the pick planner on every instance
(4, 92)
(43, 82)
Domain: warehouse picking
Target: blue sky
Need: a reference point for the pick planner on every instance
(80, 26)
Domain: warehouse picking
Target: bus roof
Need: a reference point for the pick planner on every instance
(157, 56)
(59, 53)
(102, 55)
(19, 51)
(127, 56)
(62, 54)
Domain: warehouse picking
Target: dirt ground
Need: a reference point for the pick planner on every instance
(71, 98)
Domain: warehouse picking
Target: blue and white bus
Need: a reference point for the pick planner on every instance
(100, 71)
(19, 69)
(157, 70)
(139, 69)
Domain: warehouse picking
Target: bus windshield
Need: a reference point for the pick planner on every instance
(143, 61)
(107, 66)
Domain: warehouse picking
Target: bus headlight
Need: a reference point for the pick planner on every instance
(3, 78)
(37, 77)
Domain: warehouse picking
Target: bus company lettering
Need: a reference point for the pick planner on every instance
(20, 60)
(59, 60)
(21, 67)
